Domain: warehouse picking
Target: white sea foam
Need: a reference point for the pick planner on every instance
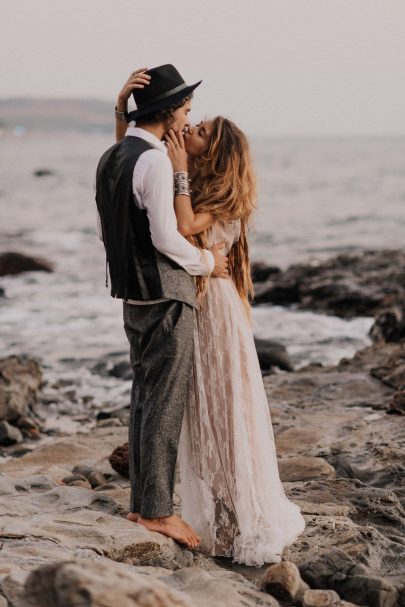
(311, 337)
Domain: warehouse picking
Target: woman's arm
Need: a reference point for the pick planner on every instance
(188, 222)
(137, 80)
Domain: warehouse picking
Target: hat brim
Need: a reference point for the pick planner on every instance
(166, 102)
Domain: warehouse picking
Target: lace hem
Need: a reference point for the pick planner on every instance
(266, 544)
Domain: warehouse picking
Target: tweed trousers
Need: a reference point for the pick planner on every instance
(161, 350)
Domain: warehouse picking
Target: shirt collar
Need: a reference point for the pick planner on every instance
(135, 131)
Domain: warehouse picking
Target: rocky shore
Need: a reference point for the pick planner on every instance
(370, 284)
(340, 437)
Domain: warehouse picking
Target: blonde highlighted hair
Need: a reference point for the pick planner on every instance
(224, 184)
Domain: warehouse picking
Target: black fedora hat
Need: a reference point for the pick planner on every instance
(166, 87)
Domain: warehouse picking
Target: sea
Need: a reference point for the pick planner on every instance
(317, 198)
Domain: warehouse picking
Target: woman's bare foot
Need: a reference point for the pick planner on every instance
(133, 516)
(172, 526)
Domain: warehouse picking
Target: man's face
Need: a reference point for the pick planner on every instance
(181, 117)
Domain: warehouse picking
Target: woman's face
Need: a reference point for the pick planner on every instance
(197, 138)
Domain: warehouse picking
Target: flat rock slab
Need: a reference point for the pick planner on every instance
(57, 456)
(76, 518)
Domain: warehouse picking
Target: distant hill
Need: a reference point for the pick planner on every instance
(57, 114)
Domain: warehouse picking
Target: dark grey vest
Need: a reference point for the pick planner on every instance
(137, 269)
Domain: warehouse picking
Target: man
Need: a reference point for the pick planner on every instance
(151, 267)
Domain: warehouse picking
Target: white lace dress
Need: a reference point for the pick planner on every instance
(230, 486)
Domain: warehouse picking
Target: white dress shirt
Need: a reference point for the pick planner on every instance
(152, 184)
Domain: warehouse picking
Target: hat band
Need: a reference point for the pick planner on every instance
(176, 89)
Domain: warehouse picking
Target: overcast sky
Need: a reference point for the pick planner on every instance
(277, 67)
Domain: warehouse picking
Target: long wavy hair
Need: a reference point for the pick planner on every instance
(223, 183)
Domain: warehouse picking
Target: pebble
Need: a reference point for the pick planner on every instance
(9, 435)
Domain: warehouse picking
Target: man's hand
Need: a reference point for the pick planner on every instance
(221, 262)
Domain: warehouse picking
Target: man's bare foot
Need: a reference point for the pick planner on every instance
(195, 539)
(172, 526)
(133, 516)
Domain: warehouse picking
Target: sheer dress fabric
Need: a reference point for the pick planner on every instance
(230, 486)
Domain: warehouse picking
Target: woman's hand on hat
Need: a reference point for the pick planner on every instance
(176, 150)
(137, 80)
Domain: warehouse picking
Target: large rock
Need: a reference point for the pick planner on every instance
(261, 271)
(57, 457)
(216, 588)
(304, 468)
(114, 364)
(346, 285)
(389, 324)
(284, 582)
(388, 358)
(99, 584)
(9, 435)
(16, 263)
(119, 460)
(392, 371)
(386, 362)
(396, 404)
(20, 381)
(321, 598)
(105, 584)
(353, 581)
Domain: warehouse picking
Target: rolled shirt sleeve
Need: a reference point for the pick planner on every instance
(153, 190)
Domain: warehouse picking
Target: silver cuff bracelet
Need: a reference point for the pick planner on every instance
(181, 184)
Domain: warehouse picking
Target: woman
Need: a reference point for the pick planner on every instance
(231, 490)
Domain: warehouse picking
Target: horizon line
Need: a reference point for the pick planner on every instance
(285, 135)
